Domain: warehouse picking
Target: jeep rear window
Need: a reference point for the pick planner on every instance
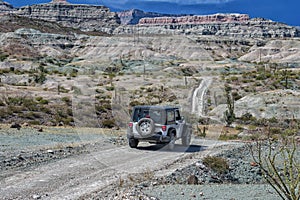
(170, 116)
(155, 115)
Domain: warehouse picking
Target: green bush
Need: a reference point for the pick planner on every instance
(275, 130)
(3, 57)
(39, 98)
(67, 100)
(44, 101)
(226, 137)
(35, 122)
(109, 88)
(217, 164)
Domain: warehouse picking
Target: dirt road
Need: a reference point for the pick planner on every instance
(198, 96)
(80, 175)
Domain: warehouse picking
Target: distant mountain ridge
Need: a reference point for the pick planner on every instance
(92, 18)
(83, 17)
(5, 7)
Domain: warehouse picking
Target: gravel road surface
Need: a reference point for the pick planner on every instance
(61, 163)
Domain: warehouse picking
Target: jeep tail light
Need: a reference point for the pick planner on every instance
(164, 128)
(130, 125)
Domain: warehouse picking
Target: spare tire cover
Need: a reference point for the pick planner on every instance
(145, 127)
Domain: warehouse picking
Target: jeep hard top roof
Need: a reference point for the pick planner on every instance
(156, 107)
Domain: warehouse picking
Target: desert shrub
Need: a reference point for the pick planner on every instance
(104, 108)
(100, 109)
(108, 123)
(217, 164)
(70, 112)
(23, 103)
(135, 103)
(61, 114)
(3, 57)
(45, 110)
(67, 100)
(149, 89)
(290, 132)
(30, 115)
(44, 101)
(34, 122)
(201, 132)
(279, 163)
(273, 120)
(68, 120)
(236, 96)
(40, 78)
(99, 91)
(239, 128)
(73, 74)
(226, 137)
(63, 90)
(15, 109)
(234, 78)
(39, 98)
(109, 88)
(275, 130)
(14, 101)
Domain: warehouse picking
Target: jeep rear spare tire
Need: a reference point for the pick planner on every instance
(145, 127)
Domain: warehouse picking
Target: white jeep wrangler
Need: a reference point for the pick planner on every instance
(158, 124)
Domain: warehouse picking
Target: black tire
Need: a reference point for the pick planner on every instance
(171, 144)
(133, 143)
(186, 138)
(145, 127)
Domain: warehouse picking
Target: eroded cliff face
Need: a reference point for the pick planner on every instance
(230, 25)
(197, 19)
(5, 7)
(84, 17)
(133, 16)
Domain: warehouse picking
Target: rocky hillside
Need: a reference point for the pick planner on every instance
(202, 19)
(232, 25)
(134, 15)
(12, 22)
(100, 18)
(5, 7)
(84, 17)
(48, 55)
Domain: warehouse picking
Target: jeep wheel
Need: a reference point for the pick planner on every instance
(171, 144)
(133, 143)
(145, 127)
(186, 139)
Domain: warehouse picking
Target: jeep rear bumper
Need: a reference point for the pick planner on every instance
(155, 138)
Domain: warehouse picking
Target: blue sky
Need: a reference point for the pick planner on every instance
(286, 11)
